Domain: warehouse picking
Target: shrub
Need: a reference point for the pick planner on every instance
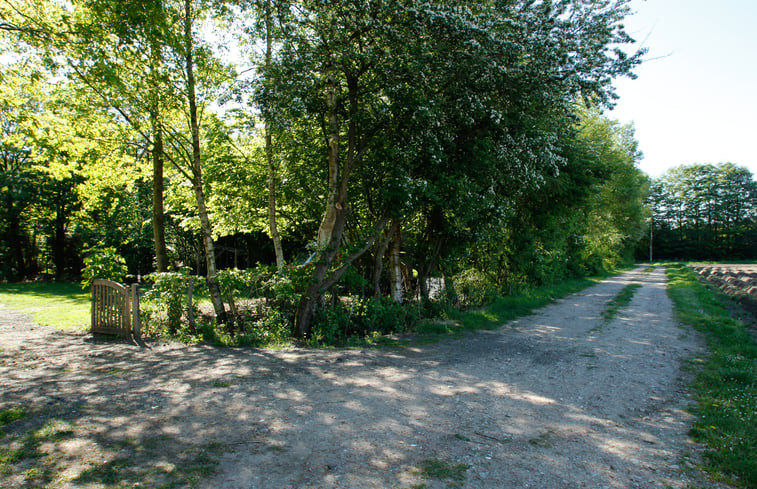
(281, 289)
(357, 316)
(104, 263)
(163, 305)
(272, 329)
(474, 289)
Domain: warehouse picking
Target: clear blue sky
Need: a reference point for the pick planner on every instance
(695, 100)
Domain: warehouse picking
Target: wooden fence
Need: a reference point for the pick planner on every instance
(115, 308)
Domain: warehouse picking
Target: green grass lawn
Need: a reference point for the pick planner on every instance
(726, 384)
(57, 304)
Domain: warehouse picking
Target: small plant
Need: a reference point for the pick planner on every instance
(360, 317)
(453, 475)
(104, 263)
(269, 330)
(10, 415)
(474, 289)
(7, 416)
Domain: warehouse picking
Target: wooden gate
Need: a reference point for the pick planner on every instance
(113, 308)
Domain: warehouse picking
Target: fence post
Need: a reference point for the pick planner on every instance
(93, 305)
(135, 324)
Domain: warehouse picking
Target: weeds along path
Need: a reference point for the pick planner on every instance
(565, 398)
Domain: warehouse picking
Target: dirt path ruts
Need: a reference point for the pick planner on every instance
(559, 399)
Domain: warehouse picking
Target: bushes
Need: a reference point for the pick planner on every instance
(262, 302)
(165, 307)
(261, 305)
(104, 263)
(473, 288)
(357, 316)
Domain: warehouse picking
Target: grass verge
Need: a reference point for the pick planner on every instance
(60, 305)
(620, 301)
(503, 309)
(725, 388)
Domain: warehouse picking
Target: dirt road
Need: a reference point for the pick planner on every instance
(559, 399)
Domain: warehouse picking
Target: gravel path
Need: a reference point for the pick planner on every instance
(559, 399)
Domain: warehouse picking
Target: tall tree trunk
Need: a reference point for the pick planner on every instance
(378, 265)
(332, 226)
(158, 210)
(207, 231)
(274, 228)
(332, 205)
(321, 282)
(315, 289)
(395, 264)
(158, 221)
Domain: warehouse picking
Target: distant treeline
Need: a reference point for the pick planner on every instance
(704, 212)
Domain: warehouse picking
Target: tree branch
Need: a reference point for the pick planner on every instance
(337, 274)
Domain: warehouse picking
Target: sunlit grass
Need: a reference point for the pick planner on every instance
(56, 304)
(726, 382)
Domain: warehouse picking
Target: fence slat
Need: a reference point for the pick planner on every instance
(111, 308)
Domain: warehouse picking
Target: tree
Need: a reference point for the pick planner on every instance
(445, 105)
(705, 211)
(140, 58)
(18, 179)
(196, 165)
(48, 145)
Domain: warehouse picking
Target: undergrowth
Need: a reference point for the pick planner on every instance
(726, 381)
(265, 301)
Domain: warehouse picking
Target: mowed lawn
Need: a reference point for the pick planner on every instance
(57, 304)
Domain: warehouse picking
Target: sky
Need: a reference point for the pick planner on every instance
(695, 98)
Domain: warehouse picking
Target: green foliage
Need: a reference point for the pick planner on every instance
(273, 329)
(704, 212)
(263, 302)
(104, 263)
(726, 382)
(360, 317)
(234, 282)
(474, 289)
(164, 305)
(462, 127)
(281, 288)
(586, 219)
